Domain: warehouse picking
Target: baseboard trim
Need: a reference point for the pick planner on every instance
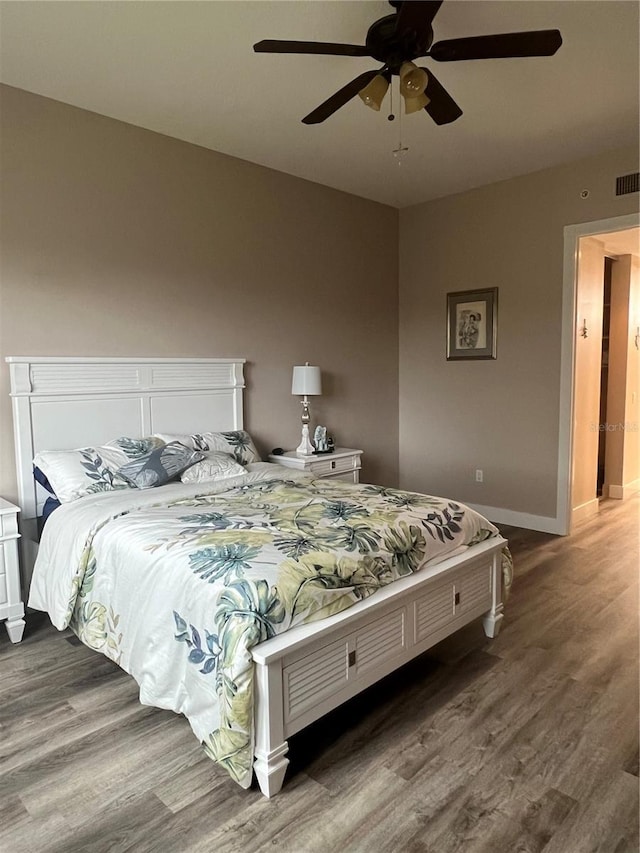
(542, 523)
(585, 511)
(621, 493)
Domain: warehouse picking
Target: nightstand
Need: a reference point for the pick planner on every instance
(342, 464)
(11, 606)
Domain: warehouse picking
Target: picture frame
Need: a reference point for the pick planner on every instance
(472, 324)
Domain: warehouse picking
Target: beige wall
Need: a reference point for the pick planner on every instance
(622, 462)
(588, 366)
(119, 241)
(501, 416)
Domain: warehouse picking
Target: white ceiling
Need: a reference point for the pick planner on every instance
(187, 69)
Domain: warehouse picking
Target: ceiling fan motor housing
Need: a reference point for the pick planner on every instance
(391, 48)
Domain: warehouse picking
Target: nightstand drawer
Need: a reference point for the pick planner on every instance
(343, 463)
(339, 465)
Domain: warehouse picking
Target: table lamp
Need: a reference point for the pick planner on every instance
(306, 381)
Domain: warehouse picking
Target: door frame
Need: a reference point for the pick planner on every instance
(572, 235)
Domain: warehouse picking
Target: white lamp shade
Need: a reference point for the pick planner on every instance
(306, 380)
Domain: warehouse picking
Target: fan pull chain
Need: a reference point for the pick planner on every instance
(400, 152)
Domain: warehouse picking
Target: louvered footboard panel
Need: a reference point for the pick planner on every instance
(312, 679)
(379, 641)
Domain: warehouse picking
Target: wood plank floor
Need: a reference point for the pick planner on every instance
(526, 743)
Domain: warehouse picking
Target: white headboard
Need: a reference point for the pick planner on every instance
(63, 403)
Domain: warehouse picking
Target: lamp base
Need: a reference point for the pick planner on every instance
(305, 448)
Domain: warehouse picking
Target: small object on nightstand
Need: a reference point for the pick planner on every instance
(11, 606)
(320, 439)
(277, 451)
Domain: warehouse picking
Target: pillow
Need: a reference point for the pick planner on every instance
(237, 443)
(215, 466)
(72, 474)
(50, 505)
(39, 477)
(134, 447)
(159, 465)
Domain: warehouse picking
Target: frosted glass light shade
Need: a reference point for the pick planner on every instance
(413, 80)
(373, 93)
(306, 380)
(412, 105)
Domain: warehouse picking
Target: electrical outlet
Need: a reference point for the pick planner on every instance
(479, 475)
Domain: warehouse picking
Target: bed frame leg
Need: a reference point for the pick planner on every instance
(270, 769)
(271, 748)
(492, 621)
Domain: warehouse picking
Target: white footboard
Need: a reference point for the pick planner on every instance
(303, 674)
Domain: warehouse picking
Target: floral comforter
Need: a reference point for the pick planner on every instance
(177, 586)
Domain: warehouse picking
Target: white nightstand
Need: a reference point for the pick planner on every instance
(342, 464)
(11, 606)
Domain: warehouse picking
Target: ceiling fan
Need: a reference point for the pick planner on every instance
(396, 40)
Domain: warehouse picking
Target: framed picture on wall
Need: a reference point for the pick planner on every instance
(472, 324)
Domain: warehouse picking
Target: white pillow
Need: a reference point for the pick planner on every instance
(237, 443)
(73, 474)
(215, 466)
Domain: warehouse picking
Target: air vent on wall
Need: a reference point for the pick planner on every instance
(628, 183)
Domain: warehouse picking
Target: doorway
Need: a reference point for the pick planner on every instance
(581, 421)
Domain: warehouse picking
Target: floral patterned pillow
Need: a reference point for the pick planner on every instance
(134, 447)
(216, 465)
(73, 474)
(237, 443)
(159, 465)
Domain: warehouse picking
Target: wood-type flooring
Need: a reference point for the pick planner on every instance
(526, 743)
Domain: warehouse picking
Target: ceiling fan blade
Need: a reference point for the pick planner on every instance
(441, 107)
(318, 47)
(503, 45)
(417, 15)
(339, 98)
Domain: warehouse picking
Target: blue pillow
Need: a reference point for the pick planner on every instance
(40, 477)
(49, 505)
(159, 465)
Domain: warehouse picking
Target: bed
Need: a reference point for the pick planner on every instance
(253, 604)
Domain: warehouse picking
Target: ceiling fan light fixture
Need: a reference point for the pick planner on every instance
(395, 40)
(414, 105)
(413, 80)
(373, 93)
